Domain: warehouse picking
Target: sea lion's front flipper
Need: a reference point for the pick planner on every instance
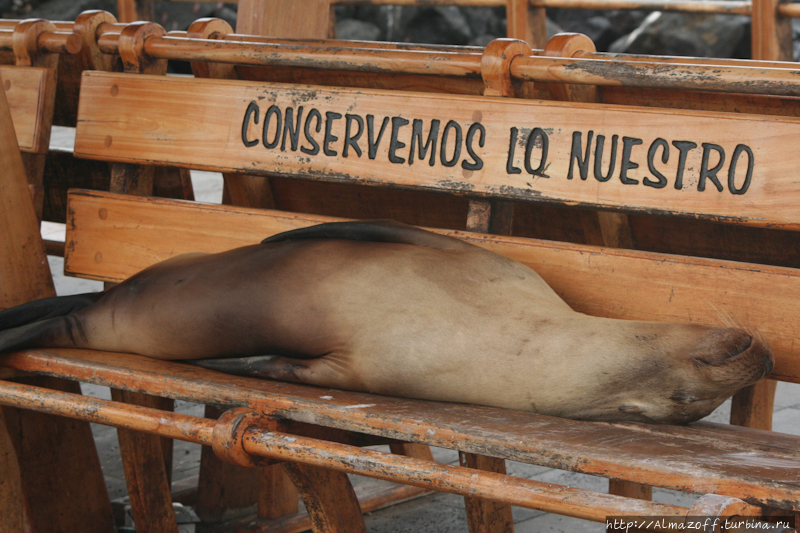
(323, 370)
(375, 231)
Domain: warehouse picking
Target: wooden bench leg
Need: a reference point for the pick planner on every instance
(752, 406)
(145, 458)
(629, 489)
(12, 502)
(277, 495)
(329, 497)
(484, 516)
(57, 470)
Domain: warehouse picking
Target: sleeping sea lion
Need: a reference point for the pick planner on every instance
(396, 310)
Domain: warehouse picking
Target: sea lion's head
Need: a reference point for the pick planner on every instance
(681, 373)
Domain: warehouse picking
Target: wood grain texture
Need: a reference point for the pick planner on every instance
(224, 490)
(147, 461)
(754, 465)
(60, 471)
(23, 264)
(25, 93)
(329, 498)
(13, 505)
(484, 516)
(284, 18)
(772, 32)
(635, 285)
(136, 131)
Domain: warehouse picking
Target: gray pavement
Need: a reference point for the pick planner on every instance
(438, 513)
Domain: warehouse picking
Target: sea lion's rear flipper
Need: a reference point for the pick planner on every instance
(44, 323)
(375, 231)
(45, 308)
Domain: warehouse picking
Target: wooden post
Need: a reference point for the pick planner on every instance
(43, 459)
(24, 272)
(485, 516)
(772, 33)
(144, 180)
(27, 54)
(329, 498)
(752, 406)
(526, 22)
(147, 460)
(614, 228)
(307, 19)
(134, 10)
(771, 41)
(297, 19)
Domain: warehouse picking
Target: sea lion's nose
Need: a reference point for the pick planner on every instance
(722, 345)
(739, 342)
(769, 363)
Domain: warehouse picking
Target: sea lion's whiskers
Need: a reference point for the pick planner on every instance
(726, 319)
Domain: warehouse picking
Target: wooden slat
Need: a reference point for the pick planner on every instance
(25, 92)
(754, 465)
(120, 124)
(110, 237)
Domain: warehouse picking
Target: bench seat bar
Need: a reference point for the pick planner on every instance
(756, 466)
(55, 42)
(642, 72)
(338, 43)
(654, 74)
(578, 503)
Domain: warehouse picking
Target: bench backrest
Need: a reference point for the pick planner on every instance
(26, 90)
(730, 167)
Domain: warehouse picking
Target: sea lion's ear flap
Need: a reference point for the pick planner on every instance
(374, 231)
(631, 408)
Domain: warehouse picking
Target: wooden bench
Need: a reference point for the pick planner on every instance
(594, 280)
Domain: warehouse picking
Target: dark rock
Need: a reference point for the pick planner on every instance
(60, 10)
(227, 14)
(679, 34)
(602, 27)
(481, 20)
(175, 16)
(6, 8)
(357, 30)
(482, 40)
(439, 25)
(344, 12)
(553, 28)
(392, 20)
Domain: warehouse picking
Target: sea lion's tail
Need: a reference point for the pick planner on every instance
(44, 322)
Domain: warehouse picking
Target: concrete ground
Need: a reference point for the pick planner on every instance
(438, 513)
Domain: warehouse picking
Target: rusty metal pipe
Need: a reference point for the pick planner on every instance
(548, 497)
(145, 419)
(569, 501)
